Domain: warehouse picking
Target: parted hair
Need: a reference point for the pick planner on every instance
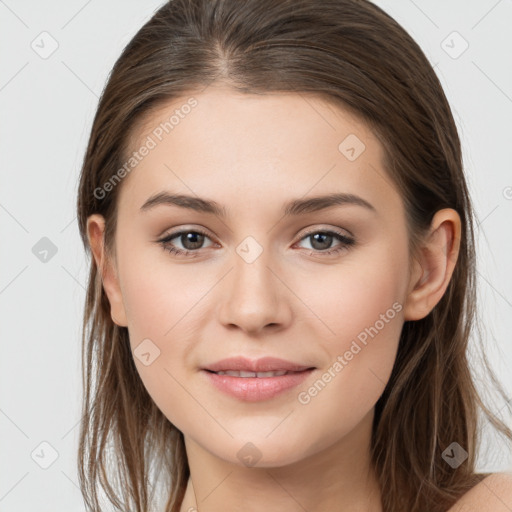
(354, 55)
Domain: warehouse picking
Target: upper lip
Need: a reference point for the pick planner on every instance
(264, 364)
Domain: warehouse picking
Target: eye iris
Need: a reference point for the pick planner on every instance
(192, 238)
(324, 239)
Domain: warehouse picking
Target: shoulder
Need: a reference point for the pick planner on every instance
(492, 494)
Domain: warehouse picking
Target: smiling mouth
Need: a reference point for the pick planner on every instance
(260, 375)
(256, 386)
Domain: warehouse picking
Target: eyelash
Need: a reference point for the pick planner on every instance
(346, 243)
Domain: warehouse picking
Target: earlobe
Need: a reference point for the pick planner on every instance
(433, 265)
(95, 233)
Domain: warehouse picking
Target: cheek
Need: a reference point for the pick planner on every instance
(158, 294)
(362, 307)
(364, 292)
(163, 306)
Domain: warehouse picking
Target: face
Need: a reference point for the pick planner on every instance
(321, 286)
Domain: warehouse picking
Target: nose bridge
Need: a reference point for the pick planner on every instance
(254, 298)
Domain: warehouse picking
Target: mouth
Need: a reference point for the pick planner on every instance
(256, 386)
(258, 375)
(247, 367)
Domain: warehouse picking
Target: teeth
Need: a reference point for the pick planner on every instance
(234, 373)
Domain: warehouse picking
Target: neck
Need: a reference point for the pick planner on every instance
(337, 478)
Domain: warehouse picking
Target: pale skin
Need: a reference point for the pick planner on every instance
(251, 155)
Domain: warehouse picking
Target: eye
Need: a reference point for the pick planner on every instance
(321, 241)
(191, 240)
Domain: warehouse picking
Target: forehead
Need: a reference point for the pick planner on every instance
(275, 119)
(219, 140)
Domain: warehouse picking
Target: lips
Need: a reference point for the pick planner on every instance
(255, 380)
(260, 375)
(250, 368)
(256, 389)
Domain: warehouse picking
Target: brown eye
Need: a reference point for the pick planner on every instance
(321, 241)
(190, 240)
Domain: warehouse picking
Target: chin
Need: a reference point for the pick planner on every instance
(259, 452)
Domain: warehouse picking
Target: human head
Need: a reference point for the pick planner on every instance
(364, 63)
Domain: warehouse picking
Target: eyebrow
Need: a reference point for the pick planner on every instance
(292, 208)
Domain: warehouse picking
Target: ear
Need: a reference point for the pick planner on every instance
(433, 264)
(95, 233)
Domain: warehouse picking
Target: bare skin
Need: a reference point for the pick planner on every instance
(252, 155)
(492, 494)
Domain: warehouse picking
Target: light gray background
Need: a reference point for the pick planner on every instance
(47, 107)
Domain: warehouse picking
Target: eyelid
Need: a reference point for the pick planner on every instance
(309, 231)
(185, 229)
(346, 242)
(333, 229)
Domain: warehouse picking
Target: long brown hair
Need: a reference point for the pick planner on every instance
(352, 54)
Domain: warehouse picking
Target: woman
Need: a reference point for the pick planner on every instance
(282, 280)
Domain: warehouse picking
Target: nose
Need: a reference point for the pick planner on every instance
(253, 297)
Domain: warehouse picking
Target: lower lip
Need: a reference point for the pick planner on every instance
(255, 389)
